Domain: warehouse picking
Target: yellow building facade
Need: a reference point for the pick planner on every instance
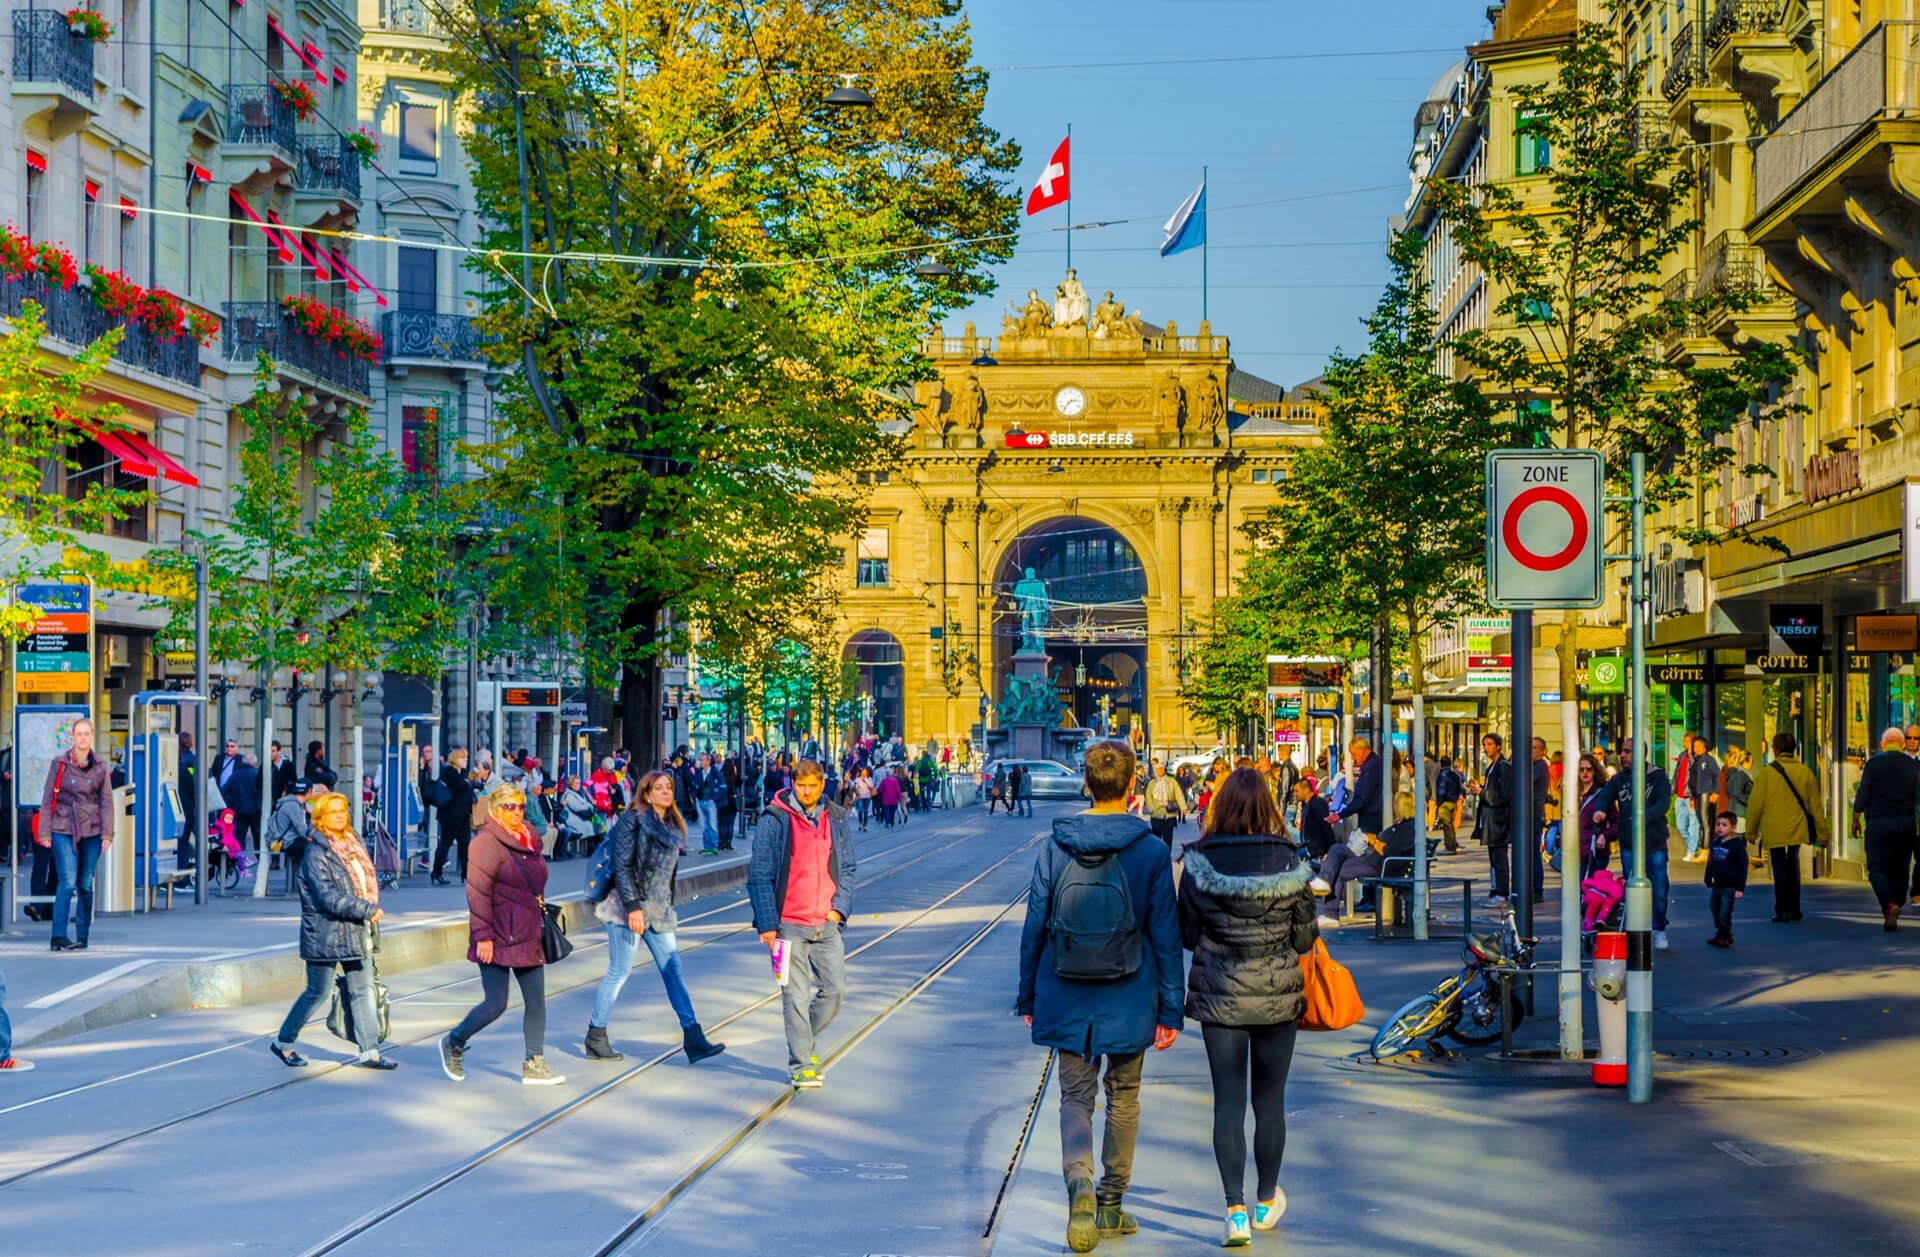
(1117, 460)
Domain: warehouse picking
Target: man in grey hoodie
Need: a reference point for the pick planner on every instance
(1128, 928)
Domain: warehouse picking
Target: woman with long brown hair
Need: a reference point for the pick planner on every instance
(645, 845)
(1246, 915)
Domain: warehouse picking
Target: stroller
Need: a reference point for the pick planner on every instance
(1602, 899)
(227, 862)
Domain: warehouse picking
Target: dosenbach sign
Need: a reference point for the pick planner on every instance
(1545, 519)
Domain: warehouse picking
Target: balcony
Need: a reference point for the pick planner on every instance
(1755, 308)
(1875, 89)
(256, 326)
(73, 319)
(1753, 48)
(328, 167)
(410, 17)
(258, 118)
(434, 337)
(52, 70)
(1734, 20)
(1683, 66)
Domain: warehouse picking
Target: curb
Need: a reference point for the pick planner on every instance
(271, 978)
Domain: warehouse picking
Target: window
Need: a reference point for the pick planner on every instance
(1259, 475)
(417, 277)
(89, 221)
(192, 226)
(419, 135)
(91, 465)
(129, 240)
(1532, 152)
(872, 558)
(419, 440)
(36, 186)
(131, 46)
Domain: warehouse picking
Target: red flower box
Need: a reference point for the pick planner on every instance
(348, 335)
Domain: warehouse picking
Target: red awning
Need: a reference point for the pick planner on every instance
(36, 161)
(286, 253)
(307, 251)
(161, 461)
(273, 25)
(340, 75)
(348, 268)
(129, 209)
(116, 444)
(343, 270)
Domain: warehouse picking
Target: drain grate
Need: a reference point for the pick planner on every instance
(1738, 1054)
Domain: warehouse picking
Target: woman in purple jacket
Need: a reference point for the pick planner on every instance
(505, 882)
(76, 821)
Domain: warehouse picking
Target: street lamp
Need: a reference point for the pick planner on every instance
(847, 96)
(339, 683)
(933, 268)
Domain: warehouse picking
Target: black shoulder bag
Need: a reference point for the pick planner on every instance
(555, 946)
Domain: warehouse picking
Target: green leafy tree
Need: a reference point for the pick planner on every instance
(693, 418)
(43, 528)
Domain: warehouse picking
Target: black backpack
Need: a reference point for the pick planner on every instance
(1093, 932)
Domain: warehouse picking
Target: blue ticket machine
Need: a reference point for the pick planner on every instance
(402, 810)
(153, 770)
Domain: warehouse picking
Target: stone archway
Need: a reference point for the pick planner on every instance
(880, 692)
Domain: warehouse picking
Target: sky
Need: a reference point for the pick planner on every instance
(1319, 138)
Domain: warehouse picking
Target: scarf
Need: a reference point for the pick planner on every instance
(360, 874)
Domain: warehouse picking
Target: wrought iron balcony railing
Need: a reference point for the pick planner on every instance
(45, 51)
(424, 334)
(328, 164)
(253, 326)
(74, 319)
(1683, 65)
(257, 115)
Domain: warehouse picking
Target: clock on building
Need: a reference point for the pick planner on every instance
(1070, 402)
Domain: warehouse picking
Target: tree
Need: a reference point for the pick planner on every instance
(1580, 345)
(724, 307)
(1382, 526)
(41, 526)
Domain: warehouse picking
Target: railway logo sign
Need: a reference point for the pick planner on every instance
(1545, 520)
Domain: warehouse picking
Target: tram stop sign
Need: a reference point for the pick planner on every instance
(1545, 525)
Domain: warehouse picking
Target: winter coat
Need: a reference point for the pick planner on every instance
(1773, 818)
(578, 811)
(1597, 837)
(1739, 788)
(333, 920)
(83, 807)
(1616, 798)
(1493, 822)
(1100, 1018)
(889, 790)
(1727, 864)
(318, 772)
(1316, 831)
(291, 825)
(773, 853)
(453, 797)
(281, 777)
(1164, 798)
(1246, 915)
(1364, 802)
(241, 790)
(504, 884)
(1886, 795)
(646, 856)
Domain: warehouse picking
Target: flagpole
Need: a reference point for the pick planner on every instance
(1069, 197)
(1203, 247)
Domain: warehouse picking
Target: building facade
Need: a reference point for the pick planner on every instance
(1115, 460)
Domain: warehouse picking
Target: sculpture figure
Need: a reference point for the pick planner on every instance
(1110, 320)
(1030, 701)
(1209, 405)
(969, 406)
(1070, 303)
(1170, 403)
(1035, 609)
(1035, 317)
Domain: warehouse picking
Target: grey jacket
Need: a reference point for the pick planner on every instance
(646, 855)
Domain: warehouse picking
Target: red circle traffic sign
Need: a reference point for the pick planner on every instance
(1510, 528)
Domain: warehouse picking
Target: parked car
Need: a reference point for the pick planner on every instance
(1050, 778)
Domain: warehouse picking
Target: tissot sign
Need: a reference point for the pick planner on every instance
(1052, 440)
(1544, 525)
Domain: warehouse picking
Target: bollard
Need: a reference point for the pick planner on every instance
(1610, 992)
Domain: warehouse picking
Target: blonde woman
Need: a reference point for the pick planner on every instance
(339, 899)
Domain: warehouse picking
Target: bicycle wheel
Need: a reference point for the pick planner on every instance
(1479, 1022)
(1412, 1025)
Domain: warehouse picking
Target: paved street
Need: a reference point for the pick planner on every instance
(920, 1142)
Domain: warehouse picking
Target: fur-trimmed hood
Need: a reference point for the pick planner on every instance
(1262, 887)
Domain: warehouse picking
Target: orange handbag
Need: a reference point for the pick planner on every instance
(1333, 1002)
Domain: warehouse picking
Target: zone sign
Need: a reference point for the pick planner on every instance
(1545, 519)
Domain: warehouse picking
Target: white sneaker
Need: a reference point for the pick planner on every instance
(1659, 940)
(1320, 887)
(1238, 1233)
(14, 1065)
(1267, 1213)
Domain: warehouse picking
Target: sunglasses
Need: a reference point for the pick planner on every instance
(509, 807)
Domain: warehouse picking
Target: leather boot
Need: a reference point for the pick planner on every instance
(698, 1048)
(599, 1047)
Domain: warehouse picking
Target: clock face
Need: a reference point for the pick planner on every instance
(1070, 402)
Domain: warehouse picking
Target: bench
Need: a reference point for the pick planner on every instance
(1402, 897)
(1350, 898)
(167, 883)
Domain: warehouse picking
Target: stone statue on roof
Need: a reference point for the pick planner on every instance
(1110, 321)
(1035, 317)
(1209, 403)
(1070, 304)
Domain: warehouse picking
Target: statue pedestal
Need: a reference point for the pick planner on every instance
(1031, 741)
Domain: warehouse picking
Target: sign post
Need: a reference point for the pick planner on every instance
(53, 662)
(1545, 520)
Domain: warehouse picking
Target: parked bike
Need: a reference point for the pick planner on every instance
(1466, 1006)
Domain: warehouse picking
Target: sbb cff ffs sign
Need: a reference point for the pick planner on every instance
(1545, 520)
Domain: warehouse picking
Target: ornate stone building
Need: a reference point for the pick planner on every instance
(1118, 460)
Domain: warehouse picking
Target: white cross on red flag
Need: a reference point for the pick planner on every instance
(1051, 190)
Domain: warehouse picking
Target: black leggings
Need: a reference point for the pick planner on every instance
(1228, 1048)
(493, 1002)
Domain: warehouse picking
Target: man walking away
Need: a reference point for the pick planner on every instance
(997, 790)
(1100, 980)
(240, 787)
(1493, 822)
(1016, 786)
(800, 882)
(1023, 790)
(453, 801)
(1782, 813)
(1447, 788)
(1884, 802)
(1166, 803)
(1617, 797)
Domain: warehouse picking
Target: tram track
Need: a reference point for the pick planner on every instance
(311, 1074)
(371, 1221)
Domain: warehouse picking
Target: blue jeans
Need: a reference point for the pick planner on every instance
(1689, 823)
(622, 946)
(1656, 873)
(6, 1027)
(709, 810)
(73, 864)
(320, 987)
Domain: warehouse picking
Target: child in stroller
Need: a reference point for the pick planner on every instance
(227, 863)
(1601, 896)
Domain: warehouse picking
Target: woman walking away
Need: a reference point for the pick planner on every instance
(504, 889)
(76, 822)
(646, 854)
(1247, 916)
(339, 901)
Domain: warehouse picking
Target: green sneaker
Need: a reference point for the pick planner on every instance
(1083, 1233)
(1113, 1220)
(806, 1079)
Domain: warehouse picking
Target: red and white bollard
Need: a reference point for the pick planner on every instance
(1610, 991)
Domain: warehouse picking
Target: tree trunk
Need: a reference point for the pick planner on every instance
(640, 693)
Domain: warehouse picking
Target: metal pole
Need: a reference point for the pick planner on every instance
(1524, 834)
(203, 760)
(1418, 747)
(1639, 888)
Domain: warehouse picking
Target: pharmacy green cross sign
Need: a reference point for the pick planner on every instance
(1606, 674)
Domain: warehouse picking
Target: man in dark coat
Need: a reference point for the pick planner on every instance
(1883, 805)
(1365, 804)
(453, 802)
(1493, 822)
(1113, 1021)
(189, 789)
(1616, 797)
(1316, 829)
(240, 787)
(280, 772)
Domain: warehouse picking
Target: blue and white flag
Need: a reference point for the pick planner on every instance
(1187, 229)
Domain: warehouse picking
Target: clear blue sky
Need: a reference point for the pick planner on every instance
(1289, 282)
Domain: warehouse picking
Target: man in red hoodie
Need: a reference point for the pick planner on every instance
(800, 882)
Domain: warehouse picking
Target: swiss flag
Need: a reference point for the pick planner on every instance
(1051, 190)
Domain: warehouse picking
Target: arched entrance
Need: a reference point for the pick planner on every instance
(1097, 631)
(880, 692)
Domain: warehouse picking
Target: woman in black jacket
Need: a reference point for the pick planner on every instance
(339, 900)
(1247, 915)
(645, 846)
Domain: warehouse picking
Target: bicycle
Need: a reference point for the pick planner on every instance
(1465, 1007)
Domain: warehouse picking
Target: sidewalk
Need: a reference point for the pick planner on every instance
(237, 950)
(1783, 1121)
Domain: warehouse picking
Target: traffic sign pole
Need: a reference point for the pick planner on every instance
(1639, 888)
